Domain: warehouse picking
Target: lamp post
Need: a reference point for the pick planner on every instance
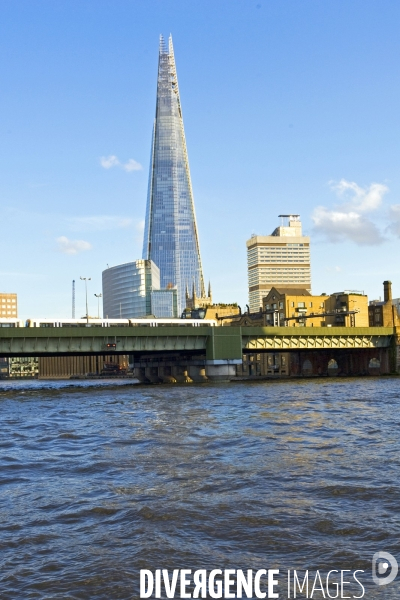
(98, 296)
(86, 279)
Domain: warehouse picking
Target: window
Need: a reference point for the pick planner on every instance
(301, 304)
(280, 304)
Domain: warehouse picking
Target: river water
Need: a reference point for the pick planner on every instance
(101, 479)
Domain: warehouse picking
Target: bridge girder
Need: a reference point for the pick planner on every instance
(218, 343)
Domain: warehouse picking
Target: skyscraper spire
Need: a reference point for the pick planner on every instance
(170, 237)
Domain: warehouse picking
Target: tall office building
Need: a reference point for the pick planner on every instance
(170, 237)
(281, 259)
(127, 289)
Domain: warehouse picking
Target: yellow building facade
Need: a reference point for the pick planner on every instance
(8, 306)
(298, 308)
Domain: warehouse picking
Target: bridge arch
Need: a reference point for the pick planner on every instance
(374, 366)
(307, 368)
(333, 367)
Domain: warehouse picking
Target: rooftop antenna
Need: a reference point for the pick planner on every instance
(73, 298)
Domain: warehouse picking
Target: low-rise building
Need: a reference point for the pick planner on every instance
(17, 367)
(350, 308)
(4, 367)
(384, 313)
(298, 308)
(8, 306)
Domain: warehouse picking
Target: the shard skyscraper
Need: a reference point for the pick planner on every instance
(170, 237)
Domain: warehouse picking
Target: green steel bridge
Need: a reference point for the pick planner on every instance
(218, 344)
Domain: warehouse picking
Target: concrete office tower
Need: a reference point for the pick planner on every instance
(281, 259)
(127, 289)
(170, 237)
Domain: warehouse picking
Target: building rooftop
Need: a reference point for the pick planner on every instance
(290, 291)
(348, 292)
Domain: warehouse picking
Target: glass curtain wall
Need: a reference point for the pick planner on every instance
(171, 238)
(164, 303)
(127, 289)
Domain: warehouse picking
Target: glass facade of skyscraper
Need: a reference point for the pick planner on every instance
(164, 303)
(171, 238)
(127, 289)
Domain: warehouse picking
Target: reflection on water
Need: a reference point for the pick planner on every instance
(99, 480)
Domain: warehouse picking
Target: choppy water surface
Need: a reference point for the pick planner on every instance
(101, 480)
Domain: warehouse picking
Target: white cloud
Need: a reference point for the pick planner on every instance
(361, 199)
(132, 165)
(113, 161)
(109, 161)
(340, 226)
(67, 246)
(347, 220)
(98, 223)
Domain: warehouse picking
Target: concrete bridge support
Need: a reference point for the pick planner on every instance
(221, 370)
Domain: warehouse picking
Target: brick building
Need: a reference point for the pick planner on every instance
(298, 308)
(384, 313)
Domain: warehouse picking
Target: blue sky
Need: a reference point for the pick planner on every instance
(288, 107)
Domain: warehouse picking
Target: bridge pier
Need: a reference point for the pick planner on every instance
(197, 373)
(395, 357)
(221, 370)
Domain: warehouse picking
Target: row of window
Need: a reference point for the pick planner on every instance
(253, 255)
(265, 278)
(264, 255)
(285, 253)
(265, 272)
